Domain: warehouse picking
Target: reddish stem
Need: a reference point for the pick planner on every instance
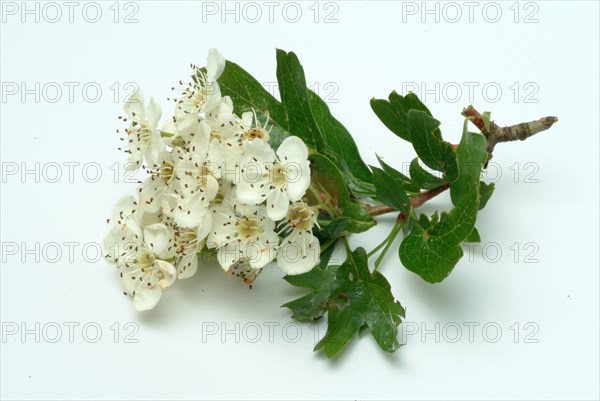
(415, 201)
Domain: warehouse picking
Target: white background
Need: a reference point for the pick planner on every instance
(547, 203)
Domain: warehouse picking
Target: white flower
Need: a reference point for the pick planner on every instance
(203, 94)
(214, 183)
(224, 121)
(253, 128)
(125, 213)
(125, 208)
(242, 234)
(299, 252)
(188, 242)
(143, 138)
(244, 270)
(226, 128)
(141, 261)
(159, 185)
(197, 175)
(277, 178)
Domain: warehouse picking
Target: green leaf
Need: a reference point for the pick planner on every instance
(390, 191)
(301, 112)
(339, 141)
(423, 178)
(359, 220)
(294, 98)
(335, 228)
(430, 258)
(394, 112)
(291, 115)
(433, 151)
(351, 216)
(432, 249)
(486, 120)
(326, 256)
(471, 156)
(408, 102)
(329, 181)
(314, 305)
(485, 193)
(248, 94)
(393, 120)
(408, 185)
(353, 297)
(474, 236)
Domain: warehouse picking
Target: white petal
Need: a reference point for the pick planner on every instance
(292, 149)
(213, 100)
(168, 271)
(154, 149)
(169, 126)
(247, 119)
(146, 299)
(187, 266)
(197, 133)
(215, 156)
(263, 251)
(252, 193)
(298, 175)
(150, 218)
(135, 158)
(267, 223)
(191, 210)
(214, 65)
(151, 192)
(229, 254)
(227, 103)
(223, 228)
(112, 244)
(123, 209)
(187, 177)
(157, 237)
(153, 113)
(232, 153)
(277, 205)
(204, 227)
(258, 151)
(212, 187)
(135, 104)
(299, 255)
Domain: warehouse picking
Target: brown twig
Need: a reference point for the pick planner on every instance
(415, 201)
(494, 135)
(497, 134)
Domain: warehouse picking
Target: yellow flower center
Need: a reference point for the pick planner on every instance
(254, 133)
(279, 175)
(300, 217)
(249, 228)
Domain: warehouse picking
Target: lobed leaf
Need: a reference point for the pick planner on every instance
(354, 299)
(390, 191)
(433, 151)
(393, 112)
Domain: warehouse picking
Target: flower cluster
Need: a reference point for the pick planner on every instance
(214, 186)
